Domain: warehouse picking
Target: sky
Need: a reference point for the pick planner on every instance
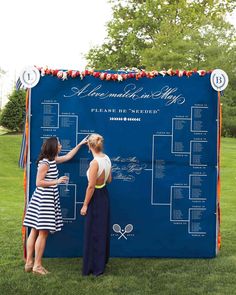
(50, 32)
(53, 33)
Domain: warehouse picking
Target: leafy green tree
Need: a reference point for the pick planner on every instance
(13, 114)
(177, 34)
(163, 34)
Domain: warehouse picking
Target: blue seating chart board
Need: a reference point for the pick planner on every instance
(161, 135)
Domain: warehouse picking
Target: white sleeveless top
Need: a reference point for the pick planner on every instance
(104, 164)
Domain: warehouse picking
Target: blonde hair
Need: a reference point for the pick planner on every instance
(95, 141)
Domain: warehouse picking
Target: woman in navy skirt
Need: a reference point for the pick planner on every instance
(96, 210)
(43, 213)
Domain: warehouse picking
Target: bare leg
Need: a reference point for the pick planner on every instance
(39, 247)
(31, 246)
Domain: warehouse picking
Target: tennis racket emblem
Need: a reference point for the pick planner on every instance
(117, 229)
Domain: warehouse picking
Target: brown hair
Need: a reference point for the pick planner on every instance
(49, 149)
(95, 141)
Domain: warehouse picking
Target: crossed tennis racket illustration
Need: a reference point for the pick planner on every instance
(117, 229)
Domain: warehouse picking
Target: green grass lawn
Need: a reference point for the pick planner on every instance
(123, 276)
(3, 130)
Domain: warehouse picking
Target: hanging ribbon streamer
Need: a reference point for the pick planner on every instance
(218, 180)
(25, 166)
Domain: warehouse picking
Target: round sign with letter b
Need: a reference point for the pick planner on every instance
(219, 80)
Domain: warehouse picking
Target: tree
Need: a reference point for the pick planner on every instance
(163, 34)
(178, 34)
(13, 114)
(2, 72)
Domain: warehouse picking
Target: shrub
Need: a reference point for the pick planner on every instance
(13, 114)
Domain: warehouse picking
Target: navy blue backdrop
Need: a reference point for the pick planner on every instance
(161, 135)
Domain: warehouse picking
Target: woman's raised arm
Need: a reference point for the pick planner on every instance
(70, 154)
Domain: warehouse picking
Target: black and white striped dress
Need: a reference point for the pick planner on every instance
(44, 210)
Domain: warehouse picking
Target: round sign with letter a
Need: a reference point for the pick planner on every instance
(30, 77)
(219, 80)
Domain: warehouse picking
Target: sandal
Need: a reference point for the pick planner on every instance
(40, 270)
(29, 267)
(47, 272)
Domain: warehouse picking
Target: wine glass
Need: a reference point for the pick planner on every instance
(67, 181)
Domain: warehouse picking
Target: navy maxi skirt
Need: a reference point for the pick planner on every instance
(96, 233)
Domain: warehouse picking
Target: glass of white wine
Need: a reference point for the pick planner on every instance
(67, 181)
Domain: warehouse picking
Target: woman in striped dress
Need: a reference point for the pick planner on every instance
(43, 213)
